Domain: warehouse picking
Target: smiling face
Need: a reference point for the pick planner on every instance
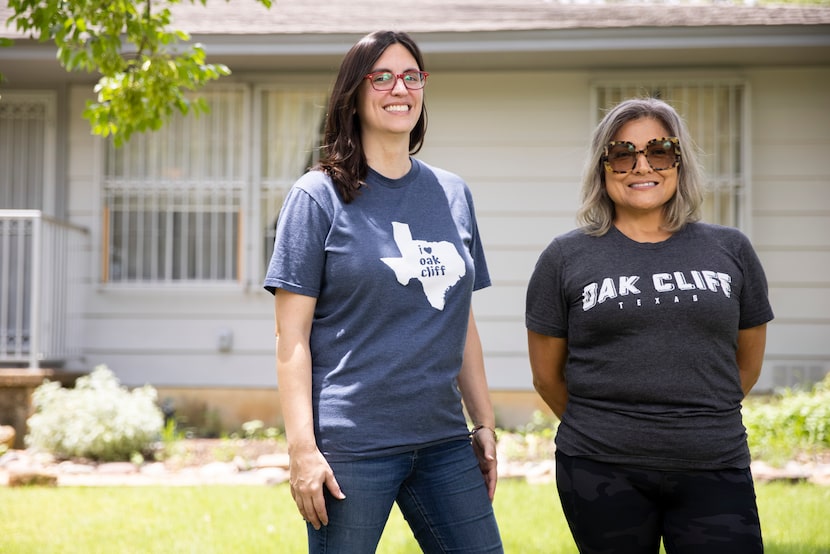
(643, 191)
(393, 112)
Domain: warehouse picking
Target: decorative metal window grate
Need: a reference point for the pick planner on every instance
(173, 198)
(186, 203)
(172, 233)
(715, 113)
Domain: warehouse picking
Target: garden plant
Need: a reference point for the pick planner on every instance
(219, 519)
(98, 419)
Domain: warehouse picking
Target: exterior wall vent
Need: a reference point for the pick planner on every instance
(798, 376)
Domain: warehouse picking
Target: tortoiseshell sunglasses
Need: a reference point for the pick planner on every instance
(620, 156)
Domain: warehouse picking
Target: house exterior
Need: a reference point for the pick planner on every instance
(150, 258)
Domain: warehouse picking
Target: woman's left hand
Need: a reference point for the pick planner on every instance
(484, 445)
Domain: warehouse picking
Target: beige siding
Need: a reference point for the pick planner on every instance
(518, 139)
(521, 151)
(175, 338)
(807, 230)
(791, 217)
(83, 163)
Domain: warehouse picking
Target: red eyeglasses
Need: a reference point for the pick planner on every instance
(386, 80)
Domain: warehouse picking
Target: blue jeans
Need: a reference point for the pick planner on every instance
(439, 490)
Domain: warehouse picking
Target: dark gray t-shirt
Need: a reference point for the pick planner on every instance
(652, 334)
(393, 273)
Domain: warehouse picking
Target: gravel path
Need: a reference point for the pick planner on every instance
(228, 462)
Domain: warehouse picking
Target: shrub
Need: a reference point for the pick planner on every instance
(255, 429)
(531, 441)
(98, 419)
(791, 423)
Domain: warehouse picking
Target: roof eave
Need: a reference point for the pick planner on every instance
(595, 48)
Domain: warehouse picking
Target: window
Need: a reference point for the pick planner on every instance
(27, 151)
(288, 147)
(180, 203)
(715, 112)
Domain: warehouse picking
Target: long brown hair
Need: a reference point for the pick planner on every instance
(343, 158)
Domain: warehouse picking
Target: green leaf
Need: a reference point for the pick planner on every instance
(145, 67)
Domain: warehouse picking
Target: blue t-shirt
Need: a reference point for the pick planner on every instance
(652, 333)
(393, 273)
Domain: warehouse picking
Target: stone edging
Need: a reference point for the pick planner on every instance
(18, 468)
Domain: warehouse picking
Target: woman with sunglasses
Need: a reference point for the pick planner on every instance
(646, 329)
(375, 261)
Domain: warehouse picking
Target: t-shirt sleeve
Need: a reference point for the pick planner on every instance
(755, 305)
(298, 262)
(546, 311)
(482, 279)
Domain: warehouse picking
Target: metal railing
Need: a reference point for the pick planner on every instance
(43, 277)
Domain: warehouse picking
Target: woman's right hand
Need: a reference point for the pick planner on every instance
(309, 470)
(309, 473)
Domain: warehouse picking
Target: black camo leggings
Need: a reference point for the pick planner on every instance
(613, 509)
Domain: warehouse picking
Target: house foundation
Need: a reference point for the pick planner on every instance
(16, 388)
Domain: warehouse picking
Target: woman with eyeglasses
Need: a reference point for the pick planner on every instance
(646, 329)
(376, 257)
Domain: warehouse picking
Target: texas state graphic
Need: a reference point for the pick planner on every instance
(437, 265)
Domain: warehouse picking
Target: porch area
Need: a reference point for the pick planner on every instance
(43, 281)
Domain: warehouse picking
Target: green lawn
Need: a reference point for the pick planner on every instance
(243, 519)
